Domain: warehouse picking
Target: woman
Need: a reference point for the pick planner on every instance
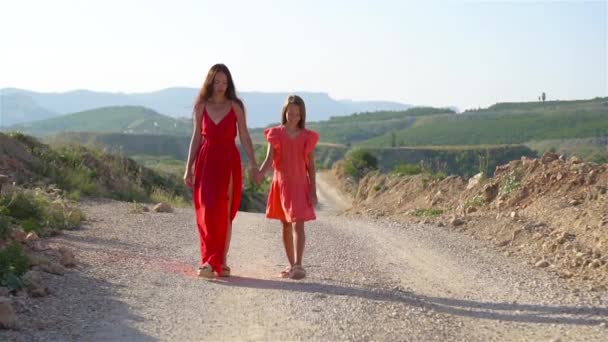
(213, 169)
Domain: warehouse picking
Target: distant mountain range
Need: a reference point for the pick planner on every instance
(22, 106)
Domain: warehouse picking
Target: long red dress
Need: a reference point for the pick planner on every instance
(218, 158)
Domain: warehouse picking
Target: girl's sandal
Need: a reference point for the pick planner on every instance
(297, 272)
(205, 271)
(225, 271)
(285, 273)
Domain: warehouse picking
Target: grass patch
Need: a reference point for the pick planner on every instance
(428, 212)
(136, 208)
(36, 211)
(512, 182)
(476, 201)
(407, 169)
(162, 195)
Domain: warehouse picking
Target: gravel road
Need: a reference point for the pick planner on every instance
(371, 280)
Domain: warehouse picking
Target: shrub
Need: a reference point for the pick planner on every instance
(13, 264)
(407, 169)
(358, 162)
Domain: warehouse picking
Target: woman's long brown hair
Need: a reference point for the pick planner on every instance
(207, 89)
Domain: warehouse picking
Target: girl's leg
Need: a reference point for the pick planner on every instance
(299, 240)
(288, 241)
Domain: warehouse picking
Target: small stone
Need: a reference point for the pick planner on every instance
(67, 257)
(31, 236)
(53, 269)
(542, 264)
(19, 235)
(33, 283)
(456, 222)
(575, 160)
(503, 243)
(8, 318)
(162, 208)
(595, 263)
(490, 191)
(575, 202)
(474, 181)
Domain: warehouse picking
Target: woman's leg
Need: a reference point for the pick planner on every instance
(229, 228)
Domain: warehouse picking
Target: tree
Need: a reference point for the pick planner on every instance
(544, 96)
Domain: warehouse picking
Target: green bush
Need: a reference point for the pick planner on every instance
(5, 222)
(34, 211)
(358, 162)
(407, 169)
(13, 264)
(21, 205)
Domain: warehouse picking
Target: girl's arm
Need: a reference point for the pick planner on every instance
(267, 164)
(195, 143)
(246, 141)
(312, 177)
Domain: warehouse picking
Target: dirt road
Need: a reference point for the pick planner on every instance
(367, 280)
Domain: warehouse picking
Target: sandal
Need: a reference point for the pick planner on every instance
(225, 271)
(297, 272)
(205, 271)
(285, 273)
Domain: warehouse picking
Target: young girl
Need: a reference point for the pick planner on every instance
(293, 192)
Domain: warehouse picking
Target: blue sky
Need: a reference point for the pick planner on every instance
(441, 53)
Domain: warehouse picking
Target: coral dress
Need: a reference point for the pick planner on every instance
(289, 197)
(218, 159)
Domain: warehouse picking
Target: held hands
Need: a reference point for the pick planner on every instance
(256, 176)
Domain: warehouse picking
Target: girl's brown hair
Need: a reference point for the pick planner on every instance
(207, 88)
(294, 99)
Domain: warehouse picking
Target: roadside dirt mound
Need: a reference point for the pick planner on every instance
(15, 159)
(550, 211)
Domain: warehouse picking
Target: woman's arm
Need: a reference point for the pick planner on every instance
(195, 144)
(246, 141)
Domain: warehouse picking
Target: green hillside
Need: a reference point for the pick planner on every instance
(127, 144)
(363, 126)
(512, 123)
(123, 119)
